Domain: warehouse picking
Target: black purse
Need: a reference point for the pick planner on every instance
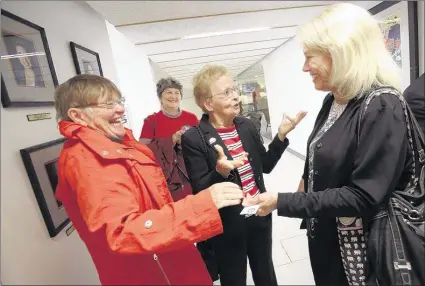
(395, 238)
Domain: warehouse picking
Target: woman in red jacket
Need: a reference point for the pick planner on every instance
(116, 196)
(162, 132)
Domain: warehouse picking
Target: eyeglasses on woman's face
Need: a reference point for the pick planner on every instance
(229, 92)
(111, 104)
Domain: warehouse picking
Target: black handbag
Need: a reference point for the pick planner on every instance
(395, 235)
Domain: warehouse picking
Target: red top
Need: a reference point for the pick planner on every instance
(233, 143)
(117, 198)
(166, 126)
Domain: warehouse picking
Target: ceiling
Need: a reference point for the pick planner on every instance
(245, 31)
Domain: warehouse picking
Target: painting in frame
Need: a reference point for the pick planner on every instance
(41, 164)
(27, 70)
(86, 61)
(399, 23)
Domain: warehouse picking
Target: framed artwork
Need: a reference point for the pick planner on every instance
(86, 61)
(399, 23)
(41, 165)
(28, 77)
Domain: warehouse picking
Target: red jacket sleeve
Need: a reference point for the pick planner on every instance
(115, 204)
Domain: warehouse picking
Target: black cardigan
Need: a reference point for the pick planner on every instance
(354, 178)
(201, 167)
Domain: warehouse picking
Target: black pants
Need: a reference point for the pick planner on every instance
(325, 256)
(253, 239)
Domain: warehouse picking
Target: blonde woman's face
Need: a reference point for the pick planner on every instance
(319, 65)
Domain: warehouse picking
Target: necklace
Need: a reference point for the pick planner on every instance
(171, 115)
(337, 109)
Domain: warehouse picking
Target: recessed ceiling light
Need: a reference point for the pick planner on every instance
(225, 33)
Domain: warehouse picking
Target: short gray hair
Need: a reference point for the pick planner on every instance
(168, 82)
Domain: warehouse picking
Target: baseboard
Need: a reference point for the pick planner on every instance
(295, 153)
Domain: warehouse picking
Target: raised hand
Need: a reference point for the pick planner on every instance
(289, 123)
(224, 166)
(226, 194)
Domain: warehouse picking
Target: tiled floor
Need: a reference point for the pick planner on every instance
(290, 252)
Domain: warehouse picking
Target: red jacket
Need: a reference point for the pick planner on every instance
(116, 196)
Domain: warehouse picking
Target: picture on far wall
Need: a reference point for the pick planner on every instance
(86, 61)
(399, 23)
(40, 162)
(27, 71)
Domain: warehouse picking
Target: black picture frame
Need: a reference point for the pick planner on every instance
(411, 16)
(40, 164)
(18, 90)
(86, 61)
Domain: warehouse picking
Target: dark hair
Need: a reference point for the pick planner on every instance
(168, 82)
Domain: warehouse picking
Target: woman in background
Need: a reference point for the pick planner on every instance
(162, 132)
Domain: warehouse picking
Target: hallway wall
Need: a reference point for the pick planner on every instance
(136, 80)
(28, 255)
(290, 90)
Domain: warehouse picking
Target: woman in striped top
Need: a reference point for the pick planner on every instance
(227, 147)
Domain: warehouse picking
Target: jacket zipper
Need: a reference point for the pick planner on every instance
(155, 257)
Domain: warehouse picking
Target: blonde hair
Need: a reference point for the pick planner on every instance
(203, 80)
(356, 45)
(82, 90)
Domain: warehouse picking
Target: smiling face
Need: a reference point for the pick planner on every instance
(170, 99)
(104, 117)
(224, 101)
(319, 65)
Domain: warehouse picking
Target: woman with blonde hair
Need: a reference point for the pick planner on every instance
(358, 156)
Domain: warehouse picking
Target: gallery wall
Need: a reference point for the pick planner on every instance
(135, 77)
(28, 254)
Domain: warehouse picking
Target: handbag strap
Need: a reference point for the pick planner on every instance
(203, 142)
(401, 264)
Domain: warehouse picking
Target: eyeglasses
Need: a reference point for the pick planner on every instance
(109, 104)
(229, 92)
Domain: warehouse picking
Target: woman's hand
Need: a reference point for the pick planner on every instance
(226, 194)
(289, 123)
(177, 137)
(266, 200)
(225, 166)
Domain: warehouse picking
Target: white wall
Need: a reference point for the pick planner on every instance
(290, 90)
(421, 35)
(135, 77)
(28, 254)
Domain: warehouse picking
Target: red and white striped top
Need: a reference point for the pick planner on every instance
(233, 143)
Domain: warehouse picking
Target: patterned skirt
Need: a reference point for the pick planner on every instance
(353, 249)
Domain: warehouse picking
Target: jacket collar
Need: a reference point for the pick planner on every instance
(101, 144)
(211, 135)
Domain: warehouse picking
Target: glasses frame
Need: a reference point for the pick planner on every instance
(108, 105)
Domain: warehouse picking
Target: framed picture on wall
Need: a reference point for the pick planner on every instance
(41, 165)
(86, 61)
(27, 71)
(399, 23)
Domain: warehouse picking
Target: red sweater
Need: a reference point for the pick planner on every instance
(233, 143)
(166, 126)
